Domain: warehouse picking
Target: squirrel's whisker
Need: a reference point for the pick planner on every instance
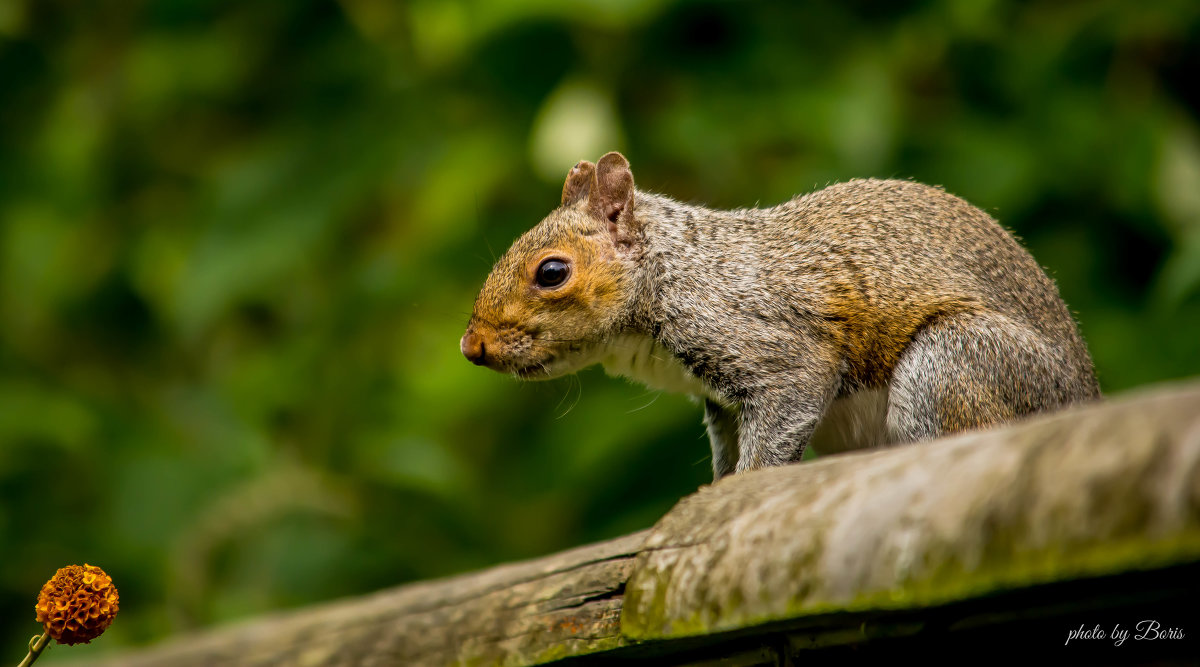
(653, 400)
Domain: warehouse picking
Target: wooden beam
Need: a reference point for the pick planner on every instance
(521, 613)
(850, 549)
(1087, 492)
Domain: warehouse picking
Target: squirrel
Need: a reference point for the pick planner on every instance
(870, 312)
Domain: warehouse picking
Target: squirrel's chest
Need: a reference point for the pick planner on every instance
(641, 358)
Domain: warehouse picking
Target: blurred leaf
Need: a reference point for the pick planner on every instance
(576, 120)
(1177, 189)
(29, 412)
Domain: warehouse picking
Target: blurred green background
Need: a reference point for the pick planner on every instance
(240, 241)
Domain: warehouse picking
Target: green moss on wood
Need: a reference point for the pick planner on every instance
(949, 582)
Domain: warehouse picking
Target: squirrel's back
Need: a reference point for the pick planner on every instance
(927, 245)
(868, 262)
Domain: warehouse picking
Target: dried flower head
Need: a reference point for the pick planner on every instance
(77, 604)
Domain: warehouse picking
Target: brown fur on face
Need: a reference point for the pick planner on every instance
(536, 332)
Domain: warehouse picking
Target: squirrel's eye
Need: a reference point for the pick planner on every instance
(552, 273)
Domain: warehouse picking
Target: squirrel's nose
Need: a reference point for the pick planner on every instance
(472, 348)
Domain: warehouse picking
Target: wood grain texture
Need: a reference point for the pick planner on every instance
(1087, 492)
(516, 614)
(1091, 507)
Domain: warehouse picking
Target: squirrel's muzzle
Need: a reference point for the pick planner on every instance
(473, 349)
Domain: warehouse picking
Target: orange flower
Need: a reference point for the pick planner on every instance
(77, 604)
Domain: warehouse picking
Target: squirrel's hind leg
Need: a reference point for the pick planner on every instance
(973, 370)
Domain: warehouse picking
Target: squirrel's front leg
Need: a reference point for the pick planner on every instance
(779, 418)
(722, 423)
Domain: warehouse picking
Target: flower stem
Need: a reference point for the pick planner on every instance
(36, 646)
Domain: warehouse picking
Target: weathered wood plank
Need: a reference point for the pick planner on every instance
(854, 548)
(518, 614)
(1087, 492)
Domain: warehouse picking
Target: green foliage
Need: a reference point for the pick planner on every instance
(239, 242)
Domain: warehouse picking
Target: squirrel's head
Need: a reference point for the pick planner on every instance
(564, 287)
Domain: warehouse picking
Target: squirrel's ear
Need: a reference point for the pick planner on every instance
(613, 196)
(579, 182)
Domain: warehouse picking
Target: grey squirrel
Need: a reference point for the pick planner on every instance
(866, 313)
